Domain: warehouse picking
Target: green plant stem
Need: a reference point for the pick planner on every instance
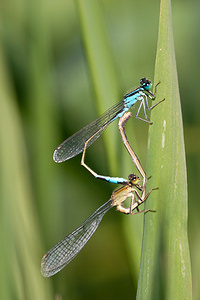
(165, 261)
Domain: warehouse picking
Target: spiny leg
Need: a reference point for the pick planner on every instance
(155, 90)
(143, 200)
(150, 108)
(144, 103)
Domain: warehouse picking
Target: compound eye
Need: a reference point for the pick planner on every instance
(134, 178)
(144, 82)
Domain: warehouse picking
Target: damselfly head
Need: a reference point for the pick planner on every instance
(134, 179)
(145, 83)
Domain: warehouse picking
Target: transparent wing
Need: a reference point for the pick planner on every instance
(75, 143)
(62, 253)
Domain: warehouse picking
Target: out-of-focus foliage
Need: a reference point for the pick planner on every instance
(48, 92)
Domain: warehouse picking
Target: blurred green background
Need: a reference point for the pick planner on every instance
(48, 92)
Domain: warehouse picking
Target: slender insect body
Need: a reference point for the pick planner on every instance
(88, 134)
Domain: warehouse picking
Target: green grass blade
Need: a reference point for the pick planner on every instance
(165, 263)
(20, 249)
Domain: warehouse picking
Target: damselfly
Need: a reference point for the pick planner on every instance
(62, 253)
(88, 134)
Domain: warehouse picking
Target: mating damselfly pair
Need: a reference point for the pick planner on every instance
(62, 253)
